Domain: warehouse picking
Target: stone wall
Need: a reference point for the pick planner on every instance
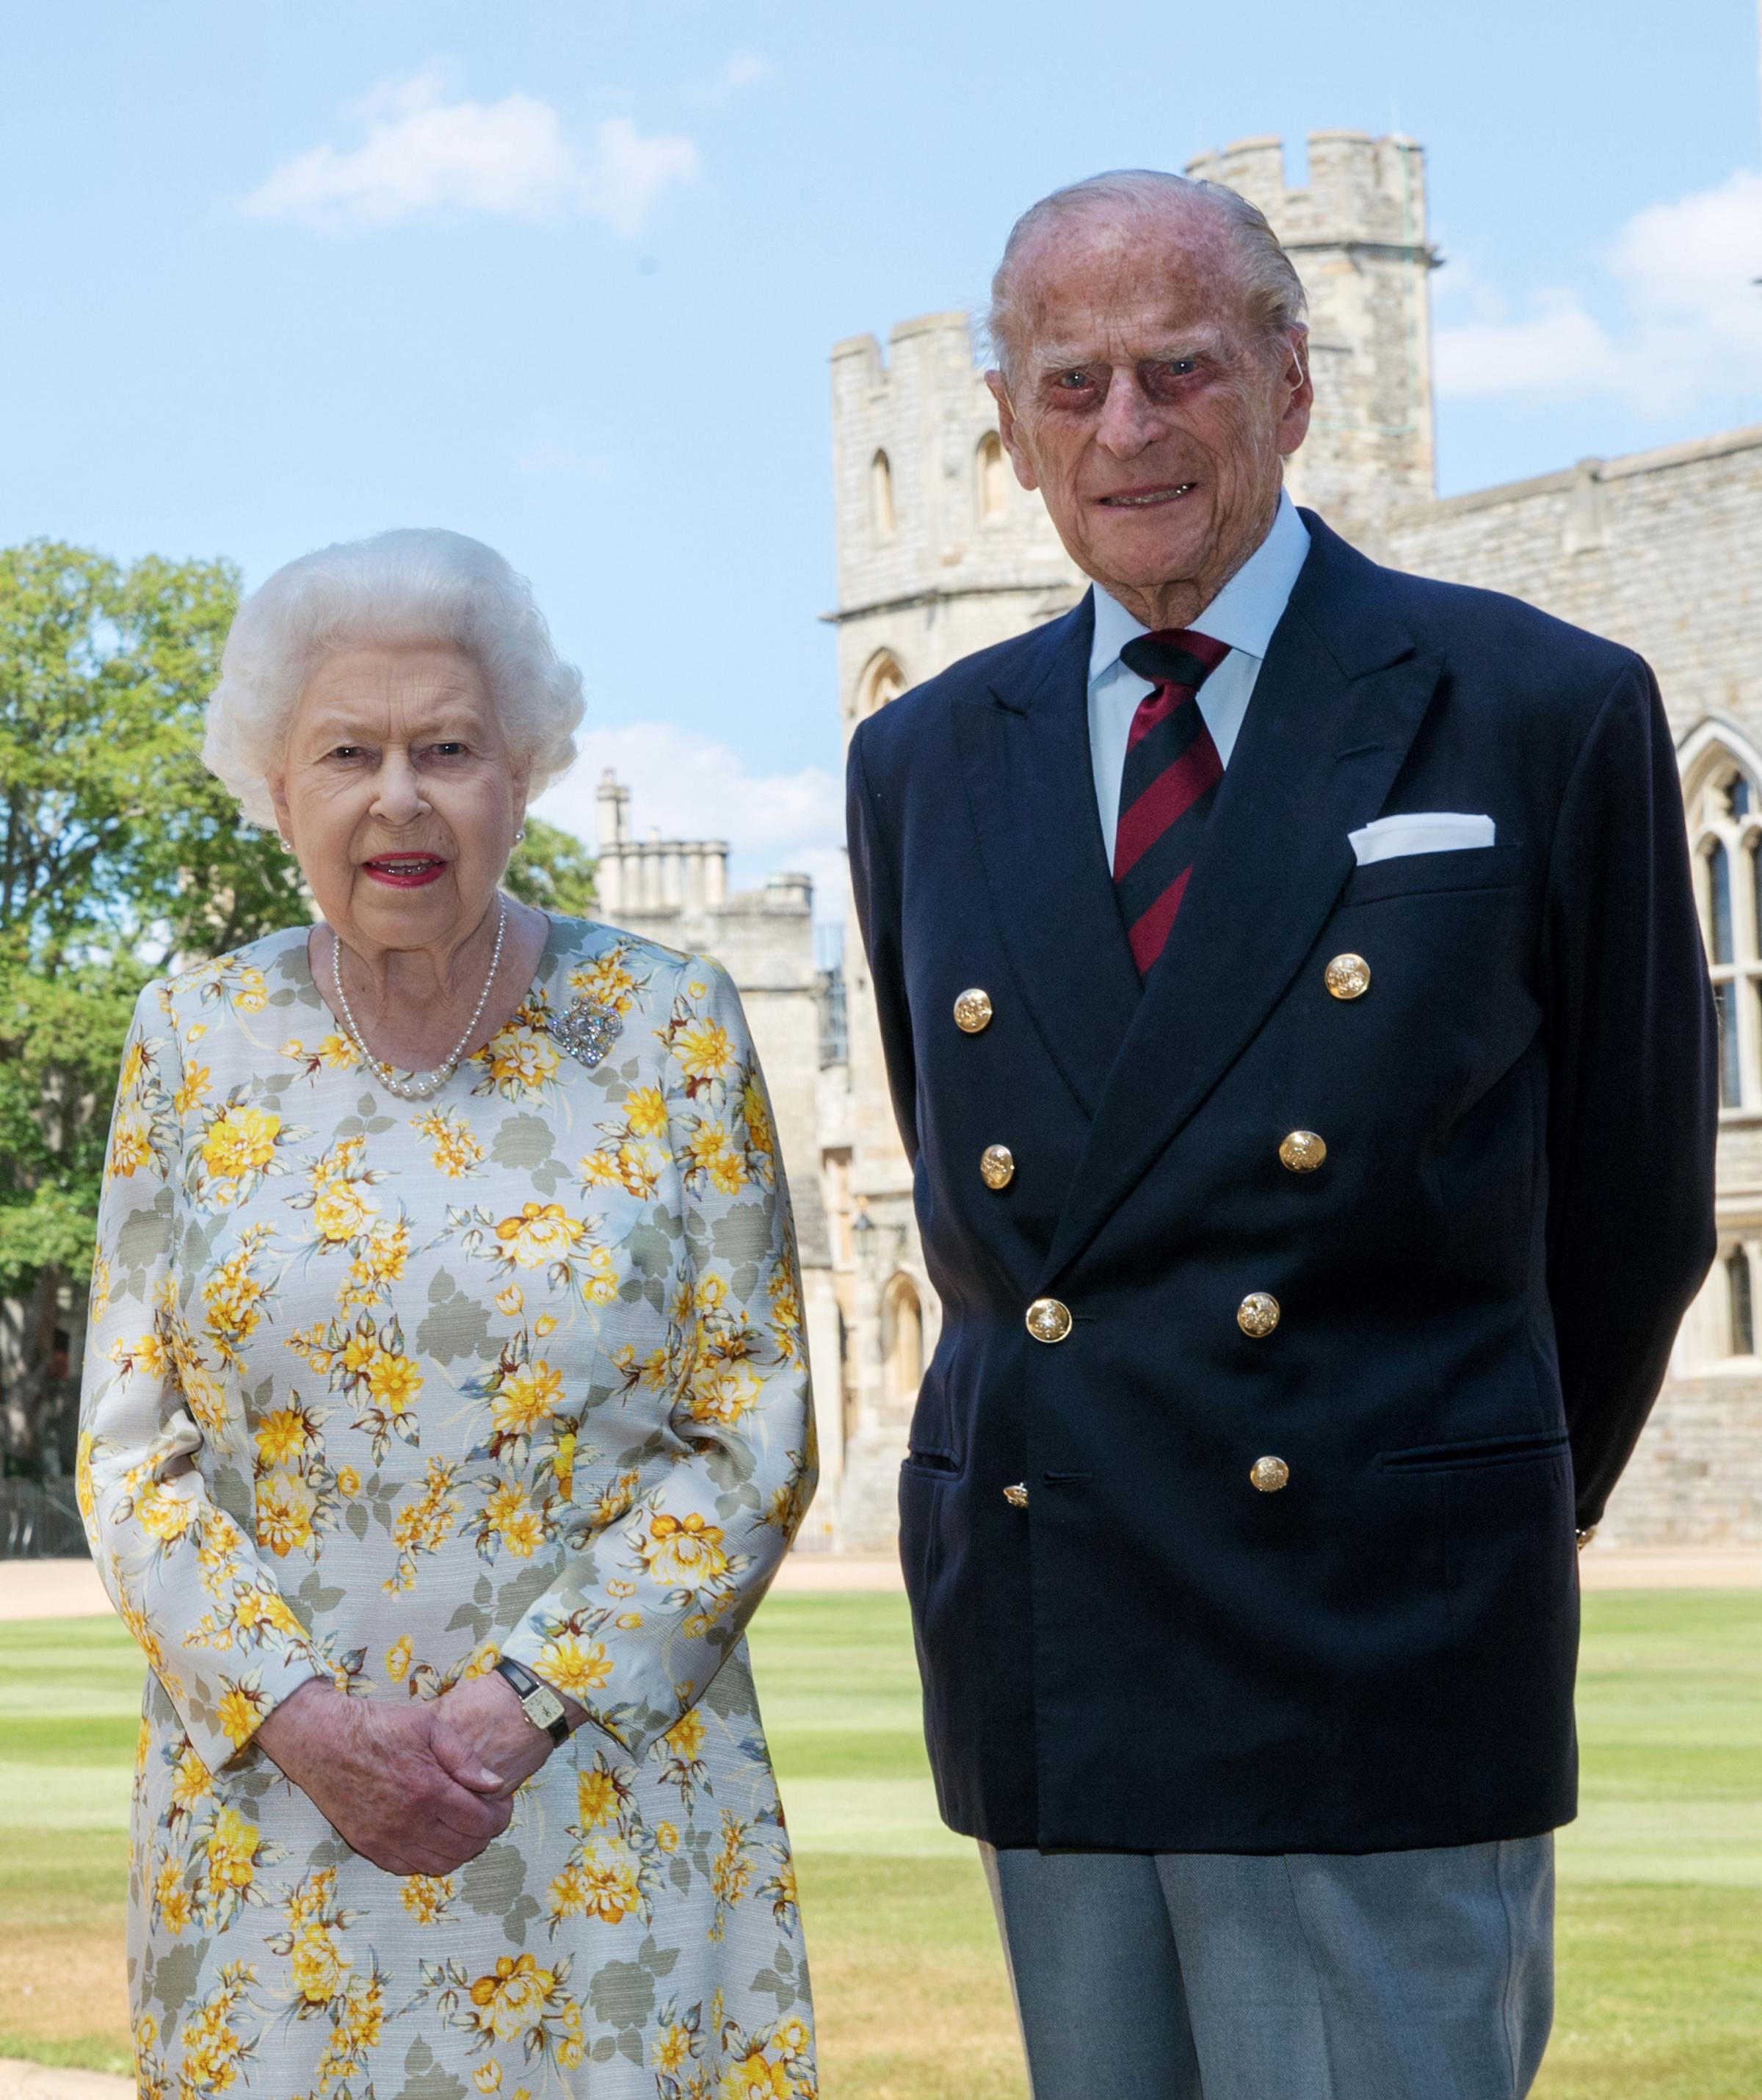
(1356, 232)
(765, 940)
(1696, 1479)
(1662, 550)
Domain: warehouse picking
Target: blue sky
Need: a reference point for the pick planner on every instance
(565, 277)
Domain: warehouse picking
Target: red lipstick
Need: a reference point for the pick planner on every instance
(405, 870)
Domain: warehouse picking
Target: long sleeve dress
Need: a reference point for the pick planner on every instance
(380, 1390)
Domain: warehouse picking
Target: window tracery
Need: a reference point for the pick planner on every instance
(882, 680)
(1726, 828)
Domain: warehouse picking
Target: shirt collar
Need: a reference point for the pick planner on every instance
(1244, 613)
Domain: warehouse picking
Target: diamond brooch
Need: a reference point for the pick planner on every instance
(587, 1031)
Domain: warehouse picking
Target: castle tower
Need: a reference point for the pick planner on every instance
(1356, 233)
(676, 891)
(942, 552)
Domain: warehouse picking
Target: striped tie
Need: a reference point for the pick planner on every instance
(1169, 783)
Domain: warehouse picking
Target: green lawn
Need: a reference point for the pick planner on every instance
(1661, 1879)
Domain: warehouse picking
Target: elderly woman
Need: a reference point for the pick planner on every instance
(446, 1416)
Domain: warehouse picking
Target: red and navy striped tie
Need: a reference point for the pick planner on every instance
(1169, 783)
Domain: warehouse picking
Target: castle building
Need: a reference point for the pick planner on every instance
(676, 891)
(941, 552)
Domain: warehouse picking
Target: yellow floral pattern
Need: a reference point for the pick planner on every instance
(379, 1394)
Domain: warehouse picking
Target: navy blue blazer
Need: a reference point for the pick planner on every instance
(1478, 1288)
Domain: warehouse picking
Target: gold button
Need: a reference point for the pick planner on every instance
(997, 1167)
(1269, 1475)
(1302, 1151)
(1017, 1496)
(1257, 1314)
(972, 1011)
(1048, 1321)
(1346, 976)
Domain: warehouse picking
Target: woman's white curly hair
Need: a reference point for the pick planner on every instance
(421, 584)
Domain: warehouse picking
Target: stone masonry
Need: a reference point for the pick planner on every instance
(676, 891)
(940, 552)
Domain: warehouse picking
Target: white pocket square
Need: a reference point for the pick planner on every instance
(1427, 831)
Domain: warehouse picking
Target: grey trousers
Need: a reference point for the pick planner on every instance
(1425, 1975)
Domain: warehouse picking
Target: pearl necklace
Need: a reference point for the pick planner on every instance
(420, 1085)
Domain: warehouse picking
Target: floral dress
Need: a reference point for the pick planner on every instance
(380, 1390)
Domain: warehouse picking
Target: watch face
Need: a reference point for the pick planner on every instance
(544, 1706)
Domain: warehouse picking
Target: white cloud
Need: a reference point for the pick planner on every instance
(423, 152)
(686, 786)
(742, 70)
(1557, 350)
(1691, 323)
(548, 445)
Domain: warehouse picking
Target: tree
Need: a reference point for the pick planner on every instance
(553, 870)
(119, 855)
(120, 858)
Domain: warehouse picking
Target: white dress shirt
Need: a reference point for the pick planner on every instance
(1243, 615)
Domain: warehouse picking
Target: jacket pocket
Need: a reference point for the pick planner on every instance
(1409, 875)
(931, 1464)
(1474, 1452)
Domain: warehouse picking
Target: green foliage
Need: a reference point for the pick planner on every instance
(121, 856)
(553, 871)
(119, 853)
(60, 1037)
(116, 843)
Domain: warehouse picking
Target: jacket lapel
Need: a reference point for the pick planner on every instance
(1337, 704)
(1030, 784)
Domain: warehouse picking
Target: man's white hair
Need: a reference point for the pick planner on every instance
(1272, 292)
(420, 586)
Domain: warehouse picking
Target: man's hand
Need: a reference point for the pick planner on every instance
(398, 1783)
(486, 1713)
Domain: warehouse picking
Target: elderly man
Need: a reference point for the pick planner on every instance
(1297, 1022)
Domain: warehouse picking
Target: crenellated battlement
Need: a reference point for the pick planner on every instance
(1362, 191)
(1356, 232)
(927, 504)
(936, 560)
(939, 549)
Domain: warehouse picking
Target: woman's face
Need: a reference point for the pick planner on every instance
(398, 795)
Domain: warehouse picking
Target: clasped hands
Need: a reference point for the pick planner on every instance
(419, 1787)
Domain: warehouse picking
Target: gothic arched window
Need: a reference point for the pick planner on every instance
(881, 681)
(1719, 947)
(903, 1337)
(1740, 1298)
(881, 496)
(1725, 824)
(991, 471)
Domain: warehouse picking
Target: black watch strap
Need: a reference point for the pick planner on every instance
(526, 1684)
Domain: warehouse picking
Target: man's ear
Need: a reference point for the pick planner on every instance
(1293, 424)
(1010, 434)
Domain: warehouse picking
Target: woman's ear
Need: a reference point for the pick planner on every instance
(278, 794)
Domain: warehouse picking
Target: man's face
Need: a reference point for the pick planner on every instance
(1146, 408)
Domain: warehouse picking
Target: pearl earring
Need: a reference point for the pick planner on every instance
(520, 834)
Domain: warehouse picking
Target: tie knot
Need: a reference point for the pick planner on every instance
(1174, 657)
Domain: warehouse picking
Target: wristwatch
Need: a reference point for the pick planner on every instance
(538, 1702)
